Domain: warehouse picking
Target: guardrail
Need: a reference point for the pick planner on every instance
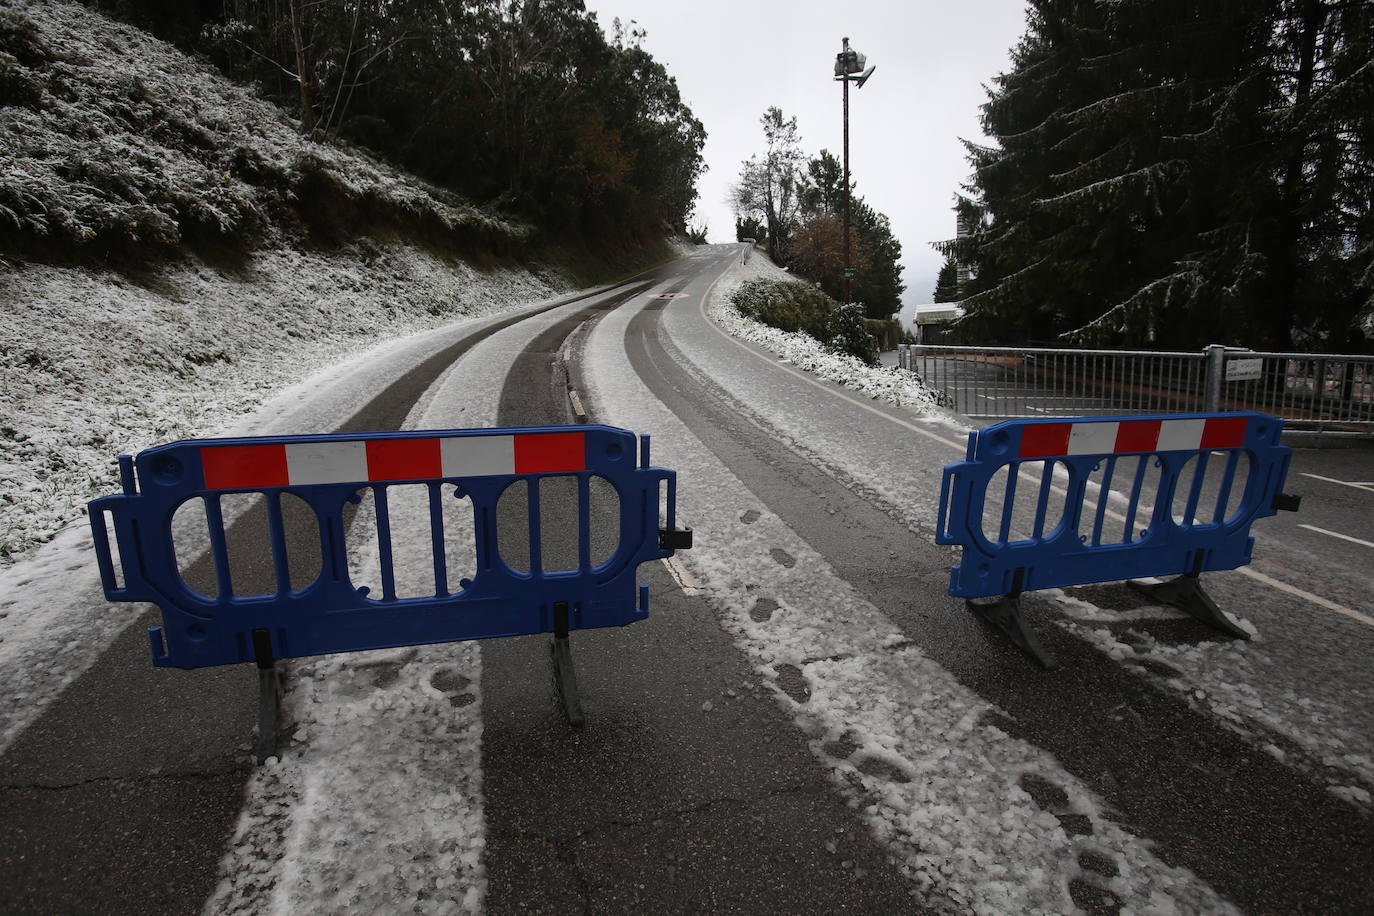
(329, 475)
(1329, 394)
(1193, 486)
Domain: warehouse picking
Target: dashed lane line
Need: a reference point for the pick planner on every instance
(1368, 488)
(1337, 534)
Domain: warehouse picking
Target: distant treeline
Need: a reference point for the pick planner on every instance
(1175, 173)
(523, 104)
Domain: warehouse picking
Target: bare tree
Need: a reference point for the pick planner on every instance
(771, 188)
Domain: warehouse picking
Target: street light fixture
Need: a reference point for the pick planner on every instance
(849, 68)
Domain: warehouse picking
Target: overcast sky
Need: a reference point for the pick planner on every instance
(734, 58)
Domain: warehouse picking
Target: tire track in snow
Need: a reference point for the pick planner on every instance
(376, 804)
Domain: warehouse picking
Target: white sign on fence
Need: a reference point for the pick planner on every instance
(1240, 370)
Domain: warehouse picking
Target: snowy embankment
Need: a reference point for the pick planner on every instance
(103, 366)
(890, 384)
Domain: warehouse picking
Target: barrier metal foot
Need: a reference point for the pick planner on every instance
(1186, 593)
(1005, 614)
(565, 675)
(269, 697)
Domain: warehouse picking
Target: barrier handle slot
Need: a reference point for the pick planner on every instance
(671, 537)
(942, 514)
(103, 557)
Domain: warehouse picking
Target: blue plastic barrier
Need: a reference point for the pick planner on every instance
(1079, 550)
(328, 472)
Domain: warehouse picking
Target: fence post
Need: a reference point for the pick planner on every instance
(1216, 370)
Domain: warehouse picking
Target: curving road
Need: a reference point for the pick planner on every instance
(806, 720)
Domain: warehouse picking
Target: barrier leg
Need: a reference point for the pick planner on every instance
(1186, 593)
(269, 697)
(1005, 614)
(564, 674)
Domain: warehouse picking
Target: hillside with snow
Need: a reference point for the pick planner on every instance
(173, 250)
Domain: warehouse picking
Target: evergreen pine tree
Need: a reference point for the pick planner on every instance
(878, 282)
(947, 283)
(1173, 173)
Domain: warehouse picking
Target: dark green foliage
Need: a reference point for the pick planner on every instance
(802, 209)
(947, 283)
(523, 105)
(878, 286)
(824, 191)
(887, 332)
(750, 227)
(107, 161)
(790, 305)
(1172, 173)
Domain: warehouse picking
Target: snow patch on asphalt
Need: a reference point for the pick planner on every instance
(1224, 680)
(376, 804)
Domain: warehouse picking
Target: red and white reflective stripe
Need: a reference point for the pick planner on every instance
(1049, 440)
(246, 467)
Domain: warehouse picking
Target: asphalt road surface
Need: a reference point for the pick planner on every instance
(705, 779)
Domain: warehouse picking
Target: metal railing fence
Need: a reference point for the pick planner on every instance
(1323, 392)
(1327, 393)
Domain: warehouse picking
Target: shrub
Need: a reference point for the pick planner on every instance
(789, 305)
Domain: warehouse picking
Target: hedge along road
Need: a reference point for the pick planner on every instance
(124, 790)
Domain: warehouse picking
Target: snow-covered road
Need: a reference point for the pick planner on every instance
(813, 663)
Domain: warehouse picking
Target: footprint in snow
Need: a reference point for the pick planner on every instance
(792, 682)
(783, 558)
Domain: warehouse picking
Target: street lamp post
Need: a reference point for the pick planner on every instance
(849, 67)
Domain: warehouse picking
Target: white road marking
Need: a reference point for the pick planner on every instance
(1337, 534)
(1368, 488)
(1299, 593)
(683, 577)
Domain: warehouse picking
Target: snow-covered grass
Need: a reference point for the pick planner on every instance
(893, 385)
(117, 140)
(98, 365)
